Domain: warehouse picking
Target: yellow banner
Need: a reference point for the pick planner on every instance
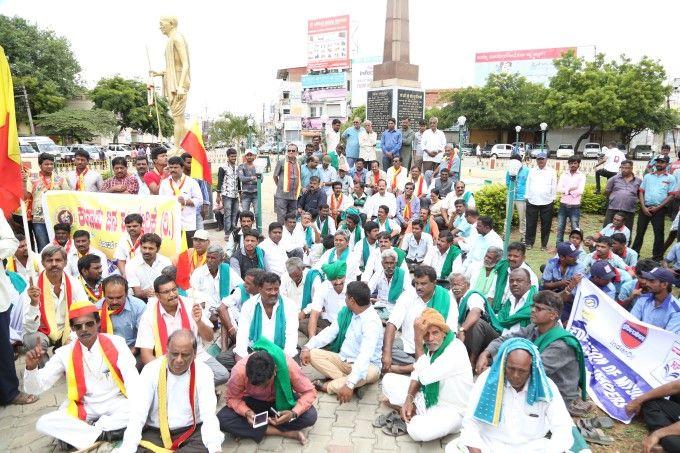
(103, 214)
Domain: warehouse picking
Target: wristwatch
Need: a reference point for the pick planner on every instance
(461, 330)
(350, 385)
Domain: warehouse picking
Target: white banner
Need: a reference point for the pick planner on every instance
(624, 356)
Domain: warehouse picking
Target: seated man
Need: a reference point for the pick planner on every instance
(408, 205)
(268, 379)
(513, 313)
(658, 307)
(465, 236)
(81, 247)
(328, 301)
(90, 269)
(483, 275)
(352, 225)
(444, 258)
(396, 176)
(516, 260)
(119, 312)
(275, 254)
(341, 252)
(355, 338)
(293, 236)
(368, 244)
(380, 198)
(324, 222)
(268, 315)
(513, 405)
(627, 254)
(636, 287)
(62, 237)
(24, 262)
(169, 314)
(374, 266)
(601, 275)
(337, 201)
(660, 416)
(230, 308)
(617, 225)
(399, 357)
(388, 283)
(99, 380)
(198, 252)
(252, 256)
(603, 252)
(434, 398)
(235, 240)
(311, 238)
(459, 226)
(188, 422)
(417, 244)
(387, 224)
(429, 223)
(301, 284)
(146, 267)
(561, 352)
(128, 245)
(486, 237)
(559, 271)
(214, 280)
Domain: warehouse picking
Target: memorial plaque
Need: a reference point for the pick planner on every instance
(379, 108)
(410, 104)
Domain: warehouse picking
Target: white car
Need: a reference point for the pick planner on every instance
(504, 150)
(118, 150)
(592, 151)
(565, 151)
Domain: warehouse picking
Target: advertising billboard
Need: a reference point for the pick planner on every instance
(333, 79)
(328, 43)
(534, 64)
(362, 76)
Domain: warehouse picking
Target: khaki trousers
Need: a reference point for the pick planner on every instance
(332, 366)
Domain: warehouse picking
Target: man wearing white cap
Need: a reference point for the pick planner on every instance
(197, 253)
(247, 174)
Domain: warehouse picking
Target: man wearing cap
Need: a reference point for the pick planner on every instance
(433, 399)
(247, 175)
(198, 253)
(561, 352)
(601, 275)
(658, 307)
(345, 179)
(561, 269)
(329, 299)
(540, 195)
(100, 373)
(656, 191)
(328, 174)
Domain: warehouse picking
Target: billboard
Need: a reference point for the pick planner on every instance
(362, 76)
(534, 64)
(332, 79)
(328, 43)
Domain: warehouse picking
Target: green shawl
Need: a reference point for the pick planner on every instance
(333, 255)
(335, 162)
(280, 325)
(309, 236)
(365, 253)
(451, 256)
(225, 280)
(323, 227)
(245, 295)
(344, 319)
(260, 257)
(560, 333)
(312, 274)
(463, 305)
(431, 391)
(426, 226)
(504, 320)
(396, 285)
(440, 301)
(283, 390)
(401, 255)
(502, 271)
(388, 228)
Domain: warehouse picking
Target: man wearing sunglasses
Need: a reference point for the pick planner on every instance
(100, 371)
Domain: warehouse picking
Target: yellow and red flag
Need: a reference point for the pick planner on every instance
(193, 144)
(11, 188)
(183, 265)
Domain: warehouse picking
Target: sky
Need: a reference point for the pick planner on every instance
(236, 47)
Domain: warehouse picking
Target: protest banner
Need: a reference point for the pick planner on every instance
(102, 215)
(624, 356)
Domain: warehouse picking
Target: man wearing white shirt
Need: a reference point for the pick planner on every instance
(270, 315)
(433, 142)
(144, 268)
(485, 238)
(81, 242)
(338, 201)
(24, 262)
(301, 285)
(385, 223)
(187, 192)
(516, 260)
(230, 309)
(397, 176)
(179, 372)
(333, 135)
(483, 274)
(128, 245)
(367, 245)
(329, 300)
(275, 255)
(83, 179)
(611, 158)
(374, 264)
(383, 280)
(416, 244)
(324, 222)
(381, 198)
(141, 167)
(293, 236)
(207, 281)
(341, 251)
(540, 195)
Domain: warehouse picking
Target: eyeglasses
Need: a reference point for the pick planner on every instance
(168, 291)
(87, 324)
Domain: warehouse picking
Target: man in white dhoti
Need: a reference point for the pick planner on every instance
(100, 371)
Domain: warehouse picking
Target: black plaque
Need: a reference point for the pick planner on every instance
(379, 109)
(410, 104)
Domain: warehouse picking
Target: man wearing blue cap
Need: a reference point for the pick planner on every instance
(540, 195)
(560, 270)
(658, 307)
(601, 274)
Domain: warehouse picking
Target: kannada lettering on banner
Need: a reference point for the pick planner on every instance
(624, 356)
(103, 214)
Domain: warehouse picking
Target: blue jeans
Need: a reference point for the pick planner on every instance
(573, 212)
(230, 213)
(249, 203)
(41, 237)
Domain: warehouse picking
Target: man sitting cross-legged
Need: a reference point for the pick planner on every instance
(120, 313)
(433, 399)
(268, 379)
(330, 298)
(388, 283)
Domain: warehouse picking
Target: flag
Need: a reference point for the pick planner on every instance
(193, 144)
(11, 189)
(183, 265)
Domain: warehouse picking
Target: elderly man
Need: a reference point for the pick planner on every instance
(486, 237)
(81, 242)
(175, 402)
(46, 316)
(388, 283)
(329, 300)
(169, 314)
(301, 284)
(561, 352)
(433, 141)
(354, 339)
(119, 312)
(444, 257)
(351, 136)
(483, 275)
(514, 405)
(516, 254)
(144, 268)
(341, 251)
(198, 253)
(451, 162)
(215, 280)
(434, 398)
(268, 315)
(512, 313)
(288, 180)
(268, 381)
(100, 375)
(380, 198)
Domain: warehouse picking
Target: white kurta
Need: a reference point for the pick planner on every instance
(275, 256)
(352, 263)
(294, 292)
(379, 284)
(374, 265)
(140, 274)
(73, 257)
(506, 293)
(107, 409)
(291, 310)
(328, 302)
(208, 287)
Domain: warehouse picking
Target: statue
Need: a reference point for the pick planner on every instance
(176, 77)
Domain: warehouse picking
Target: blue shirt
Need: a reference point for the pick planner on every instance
(306, 173)
(464, 228)
(361, 175)
(666, 315)
(673, 256)
(609, 230)
(127, 322)
(631, 257)
(656, 187)
(627, 289)
(351, 136)
(609, 290)
(390, 143)
(520, 184)
(553, 273)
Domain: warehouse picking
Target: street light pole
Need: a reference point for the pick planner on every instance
(461, 124)
(513, 169)
(517, 129)
(544, 126)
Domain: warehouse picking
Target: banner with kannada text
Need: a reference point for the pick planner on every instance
(102, 215)
(624, 356)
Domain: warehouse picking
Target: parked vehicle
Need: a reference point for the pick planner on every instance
(40, 144)
(537, 149)
(592, 151)
(643, 152)
(94, 151)
(565, 151)
(504, 150)
(118, 150)
(469, 149)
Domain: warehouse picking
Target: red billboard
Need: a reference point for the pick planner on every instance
(328, 43)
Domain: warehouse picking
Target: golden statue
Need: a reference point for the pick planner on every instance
(176, 77)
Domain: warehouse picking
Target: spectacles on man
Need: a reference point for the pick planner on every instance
(86, 324)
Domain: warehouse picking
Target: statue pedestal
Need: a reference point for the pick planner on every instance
(402, 100)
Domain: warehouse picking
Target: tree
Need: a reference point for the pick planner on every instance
(78, 125)
(40, 61)
(127, 99)
(230, 130)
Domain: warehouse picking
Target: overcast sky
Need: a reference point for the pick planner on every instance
(237, 46)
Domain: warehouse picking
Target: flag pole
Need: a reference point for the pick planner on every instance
(27, 235)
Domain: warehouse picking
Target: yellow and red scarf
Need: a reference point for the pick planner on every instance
(376, 178)
(394, 178)
(177, 190)
(336, 202)
(67, 246)
(106, 325)
(420, 189)
(450, 162)
(160, 332)
(80, 180)
(135, 246)
(196, 260)
(12, 264)
(93, 294)
(287, 177)
(47, 186)
(407, 209)
(75, 375)
(48, 321)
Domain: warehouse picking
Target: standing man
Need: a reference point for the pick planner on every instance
(82, 179)
(390, 143)
(288, 184)
(247, 175)
(141, 167)
(541, 192)
(121, 181)
(570, 186)
(35, 189)
(153, 178)
(407, 137)
(520, 195)
(622, 194)
(333, 135)
(612, 159)
(351, 136)
(418, 144)
(656, 191)
(433, 142)
(228, 185)
(187, 192)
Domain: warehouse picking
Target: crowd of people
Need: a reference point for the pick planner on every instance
(378, 267)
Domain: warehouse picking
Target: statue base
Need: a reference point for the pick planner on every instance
(395, 101)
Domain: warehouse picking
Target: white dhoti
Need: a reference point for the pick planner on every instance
(428, 423)
(108, 415)
(16, 323)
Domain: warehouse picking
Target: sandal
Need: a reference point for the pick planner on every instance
(597, 422)
(594, 435)
(397, 429)
(24, 398)
(384, 420)
(580, 408)
(318, 385)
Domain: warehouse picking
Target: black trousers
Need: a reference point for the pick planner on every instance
(602, 172)
(546, 214)
(237, 426)
(660, 413)
(657, 220)
(9, 384)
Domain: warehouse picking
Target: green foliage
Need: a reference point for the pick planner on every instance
(591, 202)
(230, 130)
(42, 62)
(127, 100)
(78, 125)
(445, 116)
(359, 112)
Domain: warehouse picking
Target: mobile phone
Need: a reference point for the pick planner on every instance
(274, 412)
(261, 419)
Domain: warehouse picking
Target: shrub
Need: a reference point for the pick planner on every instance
(591, 202)
(491, 201)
